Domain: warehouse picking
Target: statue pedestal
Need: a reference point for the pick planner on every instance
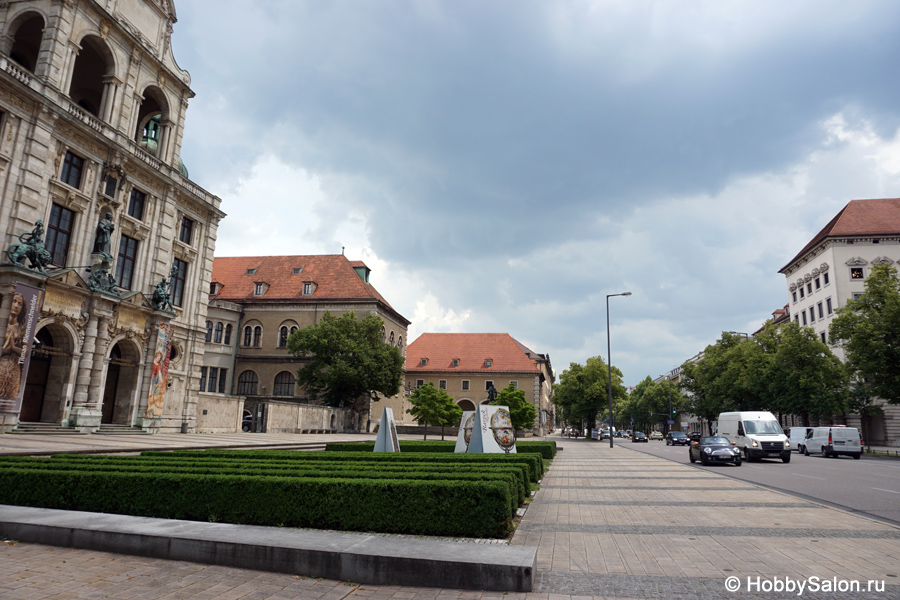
(84, 417)
(100, 260)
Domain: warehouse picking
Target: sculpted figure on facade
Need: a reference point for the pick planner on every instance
(104, 232)
(30, 246)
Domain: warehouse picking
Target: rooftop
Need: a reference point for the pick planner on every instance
(472, 350)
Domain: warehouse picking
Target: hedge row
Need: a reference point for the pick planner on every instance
(547, 449)
(534, 462)
(448, 508)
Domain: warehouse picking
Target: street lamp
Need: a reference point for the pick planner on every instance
(609, 365)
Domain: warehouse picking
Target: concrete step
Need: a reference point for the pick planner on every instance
(111, 429)
(43, 429)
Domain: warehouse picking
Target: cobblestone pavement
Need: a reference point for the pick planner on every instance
(677, 533)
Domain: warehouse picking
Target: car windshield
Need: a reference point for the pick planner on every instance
(763, 427)
(715, 441)
(677, 434)
(639, 434)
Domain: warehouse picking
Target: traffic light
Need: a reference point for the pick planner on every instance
(674, 411)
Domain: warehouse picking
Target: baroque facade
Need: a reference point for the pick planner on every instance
(466, 365)
(261, 300)
(92, 113)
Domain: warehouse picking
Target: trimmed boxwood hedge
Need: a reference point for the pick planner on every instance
(547, 449)
(449, 508)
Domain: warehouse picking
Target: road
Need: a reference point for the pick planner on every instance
(869, 486)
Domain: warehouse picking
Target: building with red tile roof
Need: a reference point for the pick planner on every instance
(277, 295)
(467, 364)
(832, 268)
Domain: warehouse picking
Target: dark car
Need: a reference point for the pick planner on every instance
(694, 437)
(677, 438)
(714, 449)
(639, 436)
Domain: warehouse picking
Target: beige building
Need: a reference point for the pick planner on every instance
(832, 268)
(277, 295)
(466, 365)
(92, 113)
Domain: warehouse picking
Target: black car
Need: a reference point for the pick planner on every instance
(639, 436)
(677, 438)
(714, 449)
(695, 437)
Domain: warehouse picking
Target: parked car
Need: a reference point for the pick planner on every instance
(797, 435)
(714, 449)
(247, 423)
(833, 441)
(656, 435)
(639, 436)
(677, 438)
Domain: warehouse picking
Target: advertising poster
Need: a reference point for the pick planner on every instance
(465, 431)
(387, 433)
(493, 431)
(157, 396)
(17, 342)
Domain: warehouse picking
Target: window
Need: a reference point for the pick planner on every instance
(187, 230)
(251, 271)
(488, 362)
(222, 374)
(856, 273)
(218, 336)
(804, 316)
(420, 383)
(442, 384)
(202, 378)
(296, 271)
(824, 339)
(125, 264)
(307, 289)
(828, 305)
(110, 189)
(825, 277)
(809, 288)
(465, 385)
(857, 296)
(209, 331)
(514, 384)
(59, 232)
(391, 341)
(400, 343)
(455, 362)
(821, 311)
(179, 276)
(293, 328)
(258, 289)
(247, 382)
(72, 167)
(818, 284)
(282, 337)
(812, 314)
(248, 335)
(284, 384)
(795, 296)
(136, 204)
(423, 362)
(257, 336)
(797, 319)
(227, 334)
(488, 384)
(213, 380)
(802, 295)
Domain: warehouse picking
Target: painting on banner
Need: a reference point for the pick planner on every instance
(17, 342)
(465, 431)
(157, 398)
(493, 431)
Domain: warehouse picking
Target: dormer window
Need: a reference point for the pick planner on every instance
(455, 362)
(488, 362)
(423, 362)
(259, 289)
(308, 288)
(296, 270)
(251, 271)
(213, 288)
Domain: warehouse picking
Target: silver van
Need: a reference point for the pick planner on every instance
(835, 440)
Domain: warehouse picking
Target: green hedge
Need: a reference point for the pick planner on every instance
(547, 449)
(447, 508)
(534, 462)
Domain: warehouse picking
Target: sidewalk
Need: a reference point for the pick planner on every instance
(607, 523)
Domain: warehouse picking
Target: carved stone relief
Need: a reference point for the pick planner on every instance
(856, 261)
(882, 260)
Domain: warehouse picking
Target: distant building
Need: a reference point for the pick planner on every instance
(466, 365)
(92, 114)
(832, 268)
(263, 299)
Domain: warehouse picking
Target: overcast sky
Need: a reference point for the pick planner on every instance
(502, 166)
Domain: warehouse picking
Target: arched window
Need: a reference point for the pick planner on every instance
(151, 117)
(209, 331)
(227, 334)
(400, 344)
(248, 335)
(392, 338)
(217, 338)
(257, 337)
(282, 337)
(93, 65)
(293, 329)
(26, 44)
(284, 384)
(247, 383)
(383, 334)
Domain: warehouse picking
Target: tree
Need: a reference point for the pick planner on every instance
(521, 412)
(349, 361)
(433, 405)
(582, 392)
(868, 329)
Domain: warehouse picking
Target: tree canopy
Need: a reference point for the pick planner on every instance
(648, 404)
(349, 361)
(582, 391)
(521, 412)
(868, 329)
(431, 405)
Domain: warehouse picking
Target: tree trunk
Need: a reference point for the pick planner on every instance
(426, 431)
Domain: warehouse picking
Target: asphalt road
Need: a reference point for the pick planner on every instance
(869, 486)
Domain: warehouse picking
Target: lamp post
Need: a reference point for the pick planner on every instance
(609, 365)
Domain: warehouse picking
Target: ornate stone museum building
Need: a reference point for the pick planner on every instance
(105, 231)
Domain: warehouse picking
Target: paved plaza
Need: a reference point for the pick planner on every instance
(607, 523)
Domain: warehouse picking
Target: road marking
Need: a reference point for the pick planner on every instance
(810, 476)
(883, 490)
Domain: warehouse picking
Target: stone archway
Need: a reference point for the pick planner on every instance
(466, 405)
(121, 384)
(48, 388)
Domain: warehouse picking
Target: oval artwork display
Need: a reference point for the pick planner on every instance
(501, 426)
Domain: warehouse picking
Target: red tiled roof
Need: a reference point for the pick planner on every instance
(506, 354)
(880, 216)
(333, 274)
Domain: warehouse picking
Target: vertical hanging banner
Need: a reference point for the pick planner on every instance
(387, 433)
(17, 342)
(157, 397)
(465, 431)
(492, 431)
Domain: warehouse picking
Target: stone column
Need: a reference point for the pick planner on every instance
(82, 415)
(95, 396)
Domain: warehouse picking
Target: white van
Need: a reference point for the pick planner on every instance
(756, 433)
(797, 436)
(833, 441)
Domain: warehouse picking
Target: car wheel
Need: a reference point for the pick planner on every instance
(737, 462)
(805, 451)
(786, 458)
(691, 456)
(825, 452)
(800, 449)
(703, 460)
(857, 455)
